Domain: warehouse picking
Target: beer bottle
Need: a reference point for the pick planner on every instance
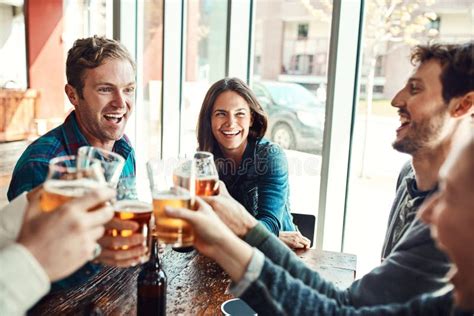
(151, 285)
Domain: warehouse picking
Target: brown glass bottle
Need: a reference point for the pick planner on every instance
(151, 285)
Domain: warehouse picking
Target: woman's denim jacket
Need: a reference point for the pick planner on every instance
(260, 183)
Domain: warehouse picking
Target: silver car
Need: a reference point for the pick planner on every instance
(295, 115)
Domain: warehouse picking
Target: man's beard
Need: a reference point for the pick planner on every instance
(421, 135)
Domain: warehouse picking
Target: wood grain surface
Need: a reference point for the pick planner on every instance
(196, 286)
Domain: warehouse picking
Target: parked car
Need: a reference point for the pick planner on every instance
(295, 115)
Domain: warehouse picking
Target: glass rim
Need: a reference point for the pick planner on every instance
(173, 190)
(53, 163)
(145, 206)
(55, 166)
(102, 151)
(207, 155)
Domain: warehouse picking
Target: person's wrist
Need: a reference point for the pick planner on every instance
(227, 238)
(37, 254)
(248, 224)
(233, 255)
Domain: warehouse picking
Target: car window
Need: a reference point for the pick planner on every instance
(292, 95)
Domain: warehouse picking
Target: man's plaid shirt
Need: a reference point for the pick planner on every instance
(32, 167)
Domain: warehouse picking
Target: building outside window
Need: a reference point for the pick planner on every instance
(205, 61)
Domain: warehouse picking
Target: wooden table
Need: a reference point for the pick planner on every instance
(196, 286)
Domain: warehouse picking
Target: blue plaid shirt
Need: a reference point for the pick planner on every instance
(32, 168)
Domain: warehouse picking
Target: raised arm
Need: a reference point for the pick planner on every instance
(269, 288)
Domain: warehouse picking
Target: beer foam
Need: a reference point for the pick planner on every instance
(171, 195)
(71, 188)
(208, 178)
(185, 177)
(134, 206)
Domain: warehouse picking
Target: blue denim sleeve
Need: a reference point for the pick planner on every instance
(277, 292)
(27, 177)
(272, 169)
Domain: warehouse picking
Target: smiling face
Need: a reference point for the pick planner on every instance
(231, 120)
(107, 103)
(423, 113)
(451, 215)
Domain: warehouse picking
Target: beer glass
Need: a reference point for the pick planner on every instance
(66, 180)
(169, 230)
(139, 212)
(127, 207)
(112, 163)
(202, 169)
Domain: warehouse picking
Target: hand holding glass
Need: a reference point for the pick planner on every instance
(173, 231)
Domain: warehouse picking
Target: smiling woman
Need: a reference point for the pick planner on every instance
(231, 125)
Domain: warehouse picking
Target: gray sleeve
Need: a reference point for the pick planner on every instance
(276, 292)
(251, 274)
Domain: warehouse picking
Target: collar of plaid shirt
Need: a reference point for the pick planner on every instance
(32, 167)
(74, 138)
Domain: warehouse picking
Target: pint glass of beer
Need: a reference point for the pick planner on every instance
(169, 230)
(202, 168)
(111, 163)
(139, 212)
(66, 181)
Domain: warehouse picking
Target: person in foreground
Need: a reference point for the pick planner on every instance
(283, 285)
(231, 125)
(45, 247)
(101, 86)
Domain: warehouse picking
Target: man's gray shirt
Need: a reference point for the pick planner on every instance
(411, 262)
(412, 266)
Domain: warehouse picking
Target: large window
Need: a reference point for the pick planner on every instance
(84, 18)
(375, 165)
(145, 126)
(12, 47)
(205, 61)
(290, 45)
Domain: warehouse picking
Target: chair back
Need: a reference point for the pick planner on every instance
(306, 224)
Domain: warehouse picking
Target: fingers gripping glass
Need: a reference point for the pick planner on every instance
(127, 208)
(173, 231)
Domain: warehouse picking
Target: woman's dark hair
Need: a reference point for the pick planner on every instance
(206, 139)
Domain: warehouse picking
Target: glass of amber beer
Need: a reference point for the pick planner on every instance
(202, 169)
(139, 212)
(169, 230)
(66, 181)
